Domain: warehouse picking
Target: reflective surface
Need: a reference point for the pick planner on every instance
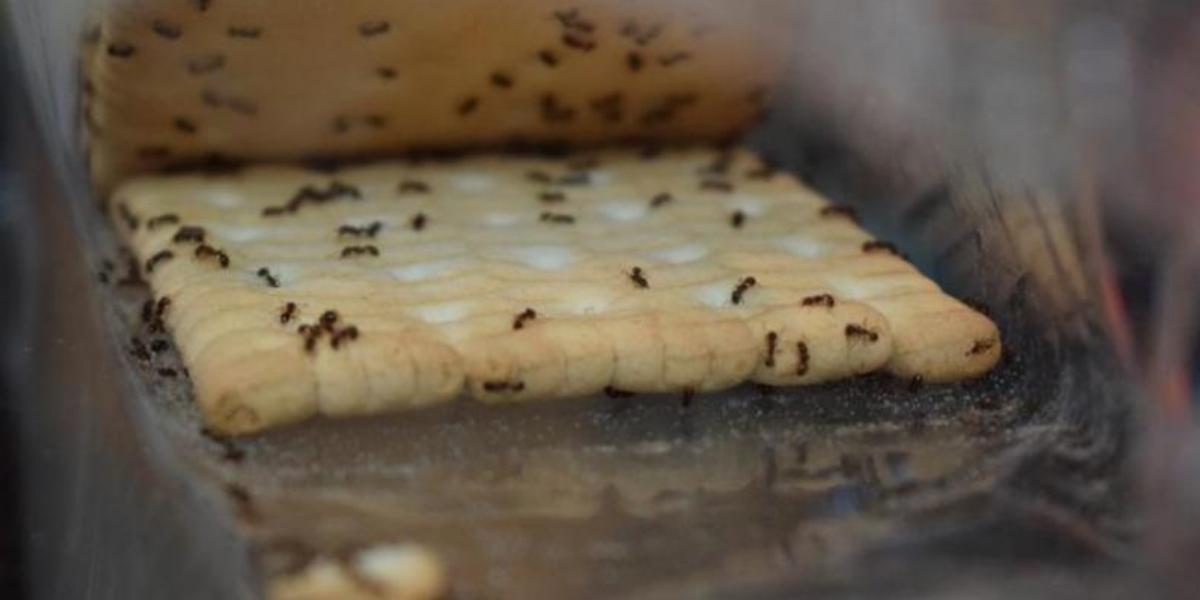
(1009, 485)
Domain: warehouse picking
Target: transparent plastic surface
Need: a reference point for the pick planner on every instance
(994, 143)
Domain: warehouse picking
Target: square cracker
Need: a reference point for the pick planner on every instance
(389, 286)
(169, 83)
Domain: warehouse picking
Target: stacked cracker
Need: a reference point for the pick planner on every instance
(190, 81)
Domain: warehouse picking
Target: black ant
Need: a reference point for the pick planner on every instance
(801, 359)
(205, 251)
(716, 185)
(412, 186)
(615, 393)
(980, 347)
(880, 246)
(560, 219)
(167, 219)
(350, 251)
(639, 278)
(527, 315)
(347, 333)
(742, 288)
(266, 275)
(160, 257)
(370, 231)
(858, 331)
(825, 300)
(289, 311)
(502, 386)
(772, 341)
(189, 233)
(840, 211)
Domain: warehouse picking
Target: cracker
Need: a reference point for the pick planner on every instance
(396, 285)
(392, 571)
(181, 82)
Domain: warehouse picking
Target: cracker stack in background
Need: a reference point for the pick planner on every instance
(188, 81)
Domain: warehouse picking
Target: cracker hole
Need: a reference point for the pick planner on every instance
(443, 313)
(472, 182)
(501, 219)
(802, 246)
(715, 295)
(240, 234)
(623, 210)
(681, 254)
(750, 205)
(546, 258)
(428, 270)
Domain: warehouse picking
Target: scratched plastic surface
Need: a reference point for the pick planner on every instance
(829, 490)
